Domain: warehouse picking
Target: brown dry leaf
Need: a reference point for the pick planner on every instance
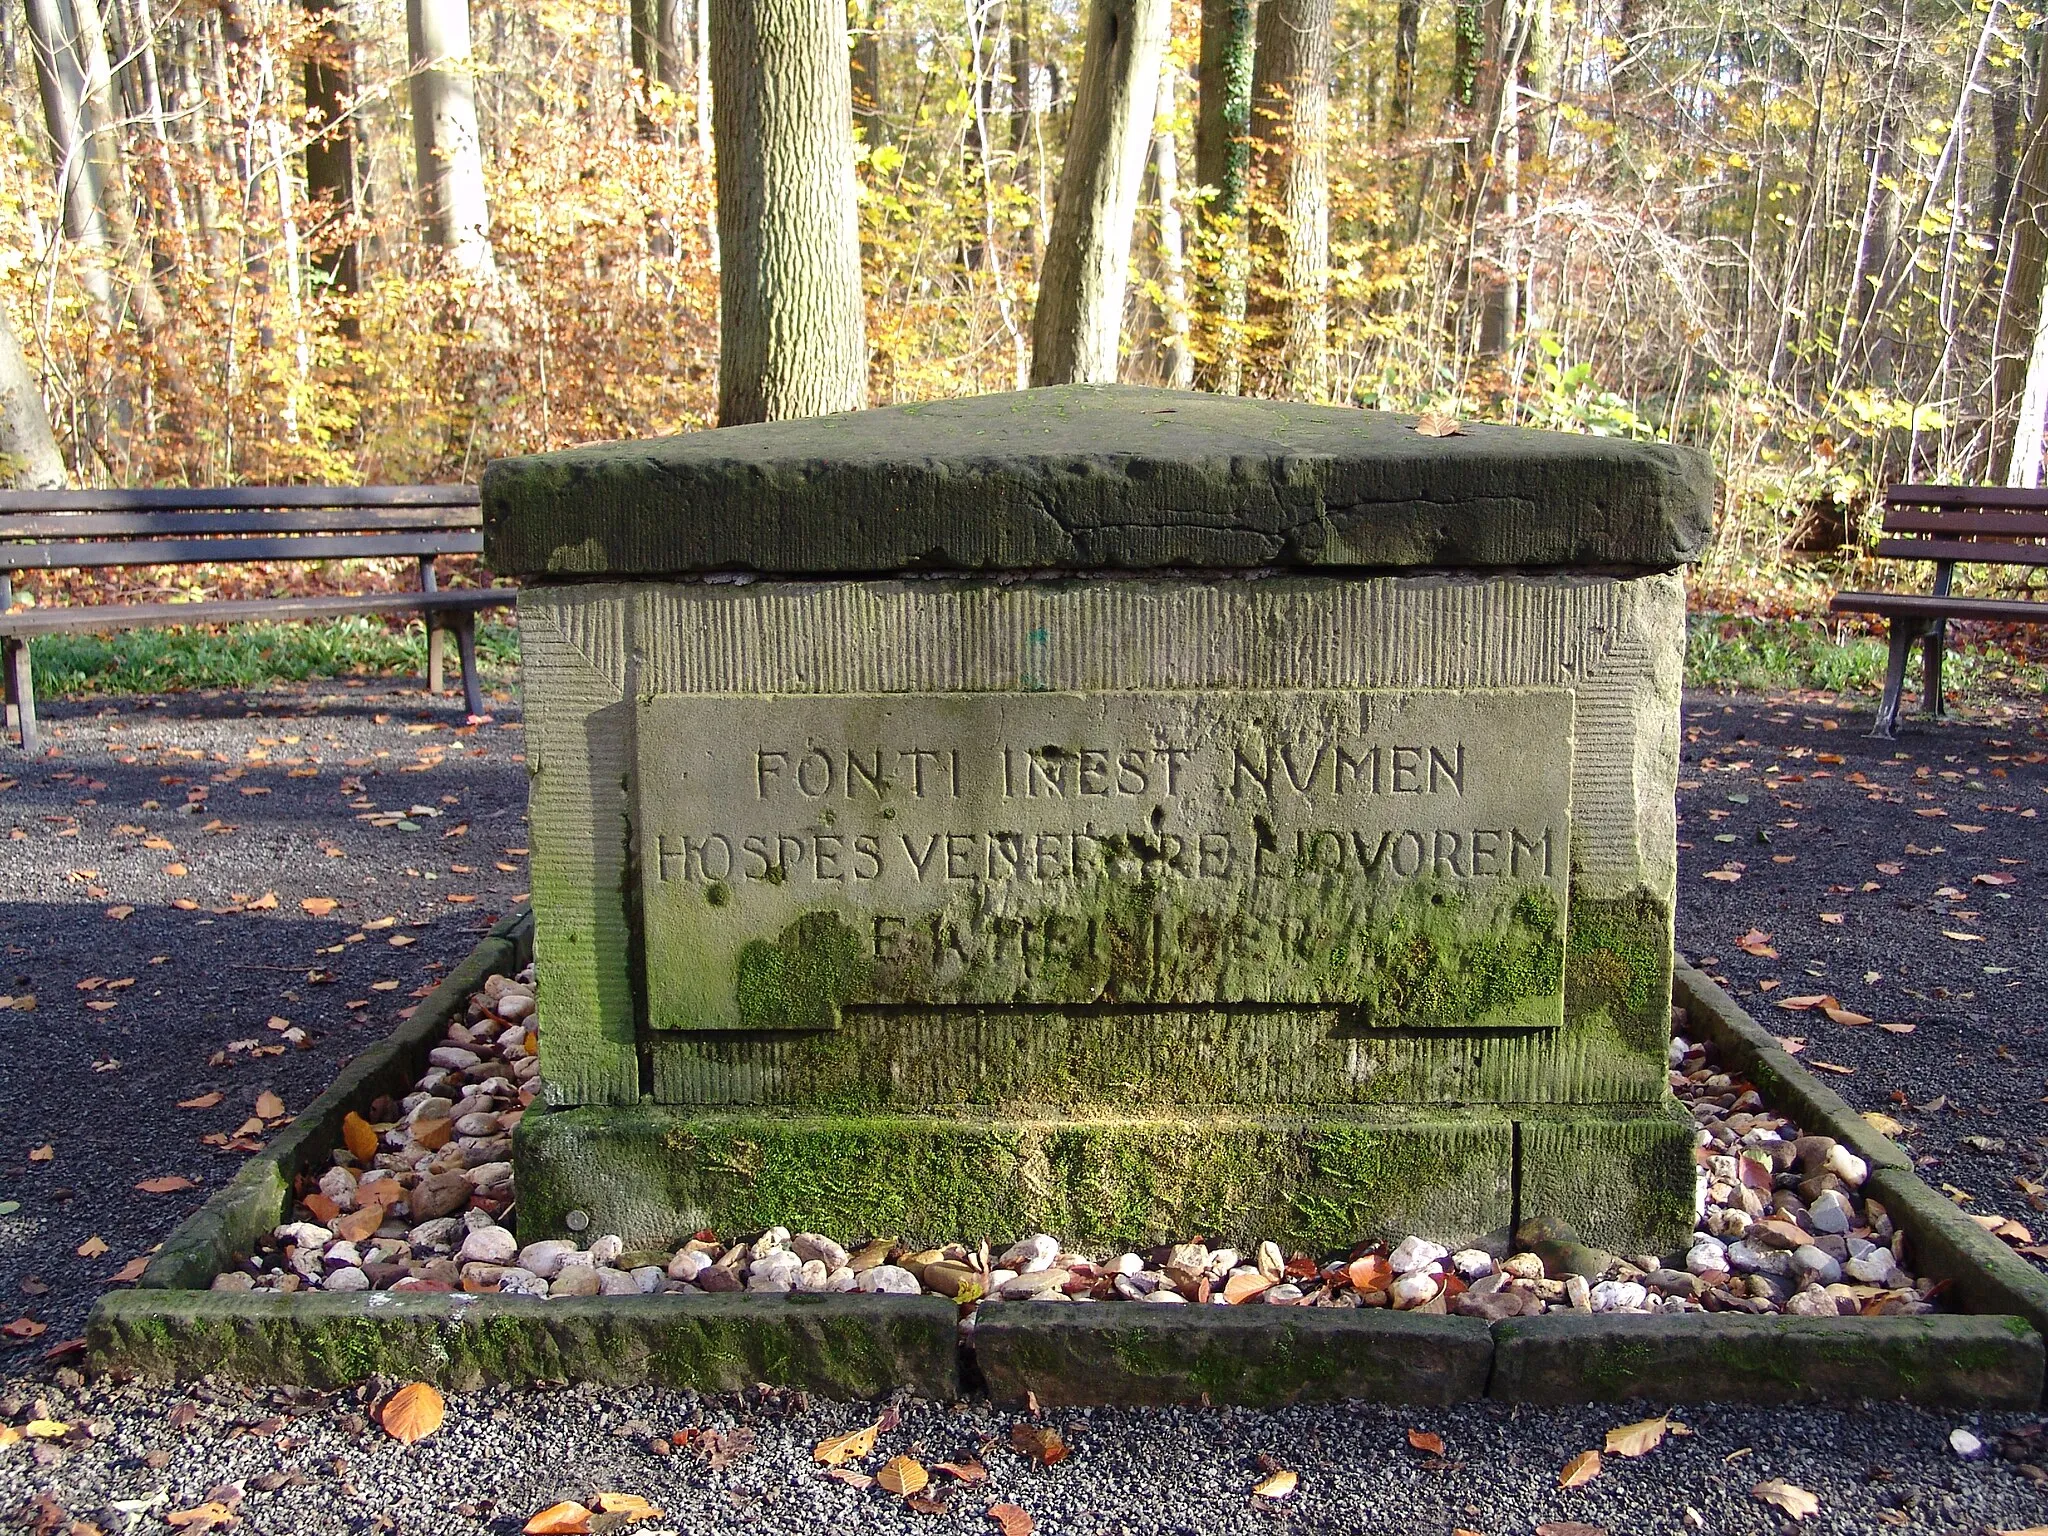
(934, 1503)
(92, 1247)
(969, 1471)
(1992, 879)
(567, 1518)
(1962, 938)
(1896, 1029)
(1039, 1443)
(1729, 876)
(848, 1476)
(629, 1507)
(130, 1272)
(204, 1101)
(1279, 1486)
(1570, 1528)
(24, 1328)
(412, 1413)
(1437, 424)
(1014, 1521)
(1789, 1497)
(904, 1476)
(318, 906)
(1422, 1440)
(200, 1517)
(166, 1184)
(269, 1105)
(46, 1153)
(1811, 1000)
(1639, 1438)
(360, 1136)
(840, 1449)
(1580, 1470)
(117, 913)
(1757, 942)
(1883, 1124)
(1846, 1016)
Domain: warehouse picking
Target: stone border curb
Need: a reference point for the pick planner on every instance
(226, 1229)
(1134, 1355)
(1690, 1357)
(836, 1346)
(1986, 1276)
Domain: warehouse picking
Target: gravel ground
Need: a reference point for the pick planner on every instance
(205, 979)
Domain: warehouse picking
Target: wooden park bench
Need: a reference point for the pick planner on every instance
(57, 530)
(1951, 525)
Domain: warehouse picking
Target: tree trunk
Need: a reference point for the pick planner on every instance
(1407, 41)
(2024, 468)
(792, 334)
(60, 75)
(1022, 97)
(29, 459)
(331, 145)
(2016, 355)
(1222, 160)
(657, 53)
(1180, 360)
(1079, 319)
(1290, 207)
(446, 149)
(703, 103)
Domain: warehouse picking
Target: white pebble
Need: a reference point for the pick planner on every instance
(688, 1264)
(1847, 1166)
(1472, 1264)
(489, 1245)
(647, 1278)
(811, 1245)
(1617, 1296)
(1412, 1290)
(889, 1280)
(1414, 1254)
(1965, 1444)
(1707, 1254)
(545, 1258)
(606, 1249)
(348, 1278)
(453, 1057)
(616, 1282)
(1033, 1253)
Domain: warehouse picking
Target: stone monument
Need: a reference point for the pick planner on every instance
(1108, 811)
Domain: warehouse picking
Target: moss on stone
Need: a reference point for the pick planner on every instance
(1618, 963)
(799, 981)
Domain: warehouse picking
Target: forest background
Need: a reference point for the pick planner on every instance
(1807, 236)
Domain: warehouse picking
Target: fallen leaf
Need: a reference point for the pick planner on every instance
(1846, 1016)
(1278, 1486)
(1425, 1442)
(1831, 1066)
(848, 1476)
(1728, 875)
(269, 1105)
(204, 1101)
(1883, 1124)
(1758, 943)
(201, 1517)
(1038, 1442)
(969, 1471)
(840, 1449)
(166, 1184)
(1789, 1497)
(1580, 1470)
(903, 1476)
(46, 1429)
(360, 1136)
(46, 1153)
(318, 906)
(567, 1518)
(130, 1272)
(1437, 424)
(628, 1507)
(1014, 1521)
(1835, 919)
(91, 1248)
(1962, 938)
(1992, 879)
(1809, 1000)
(24, 1328)
(117, 913)
(1569, 1528)
(1639, 1438)
(412, 1413)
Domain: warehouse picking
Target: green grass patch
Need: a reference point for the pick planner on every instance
(249, 656)
(1774, 655)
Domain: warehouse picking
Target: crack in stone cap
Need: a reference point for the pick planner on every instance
(1094, 477)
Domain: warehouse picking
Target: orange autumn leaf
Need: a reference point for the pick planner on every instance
(412, 1413)
(838, 1450)
(204, 1101)
(166, 1184)
(627, 1507)
(904, 1476)
(318, 906)
(1013, 1520)
(1580, 1470)
(359, 1136)
(1422, 1440)
(567, 1518)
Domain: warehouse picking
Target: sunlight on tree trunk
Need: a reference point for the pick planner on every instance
(1290, 208)
(446, 150)
(1079, 320)
(1222, 165)
(29, 460)
(61, 77)
(1180, 361)
(331, 146)
(793, 338)
(2025, 466)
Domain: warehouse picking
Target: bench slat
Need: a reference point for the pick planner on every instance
(1962, 551)
(338, 546)
(114, 616)
(1965, 496)
(1922, 605)
(243, 496)
(2017, 525)
(93, 525)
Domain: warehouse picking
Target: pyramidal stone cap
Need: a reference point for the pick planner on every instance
(1094, 477)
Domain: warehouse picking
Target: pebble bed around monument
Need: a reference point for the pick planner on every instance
(431, 1207)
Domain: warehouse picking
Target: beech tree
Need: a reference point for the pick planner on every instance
(1222, 166)
(792, 331)
(1290, 209)
(29, 460)
(1078, 323)
(446, 149)
(331, 136)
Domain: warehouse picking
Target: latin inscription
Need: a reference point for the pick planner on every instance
(804, 852)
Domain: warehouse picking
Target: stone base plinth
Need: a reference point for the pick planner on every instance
(1317, 1181)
